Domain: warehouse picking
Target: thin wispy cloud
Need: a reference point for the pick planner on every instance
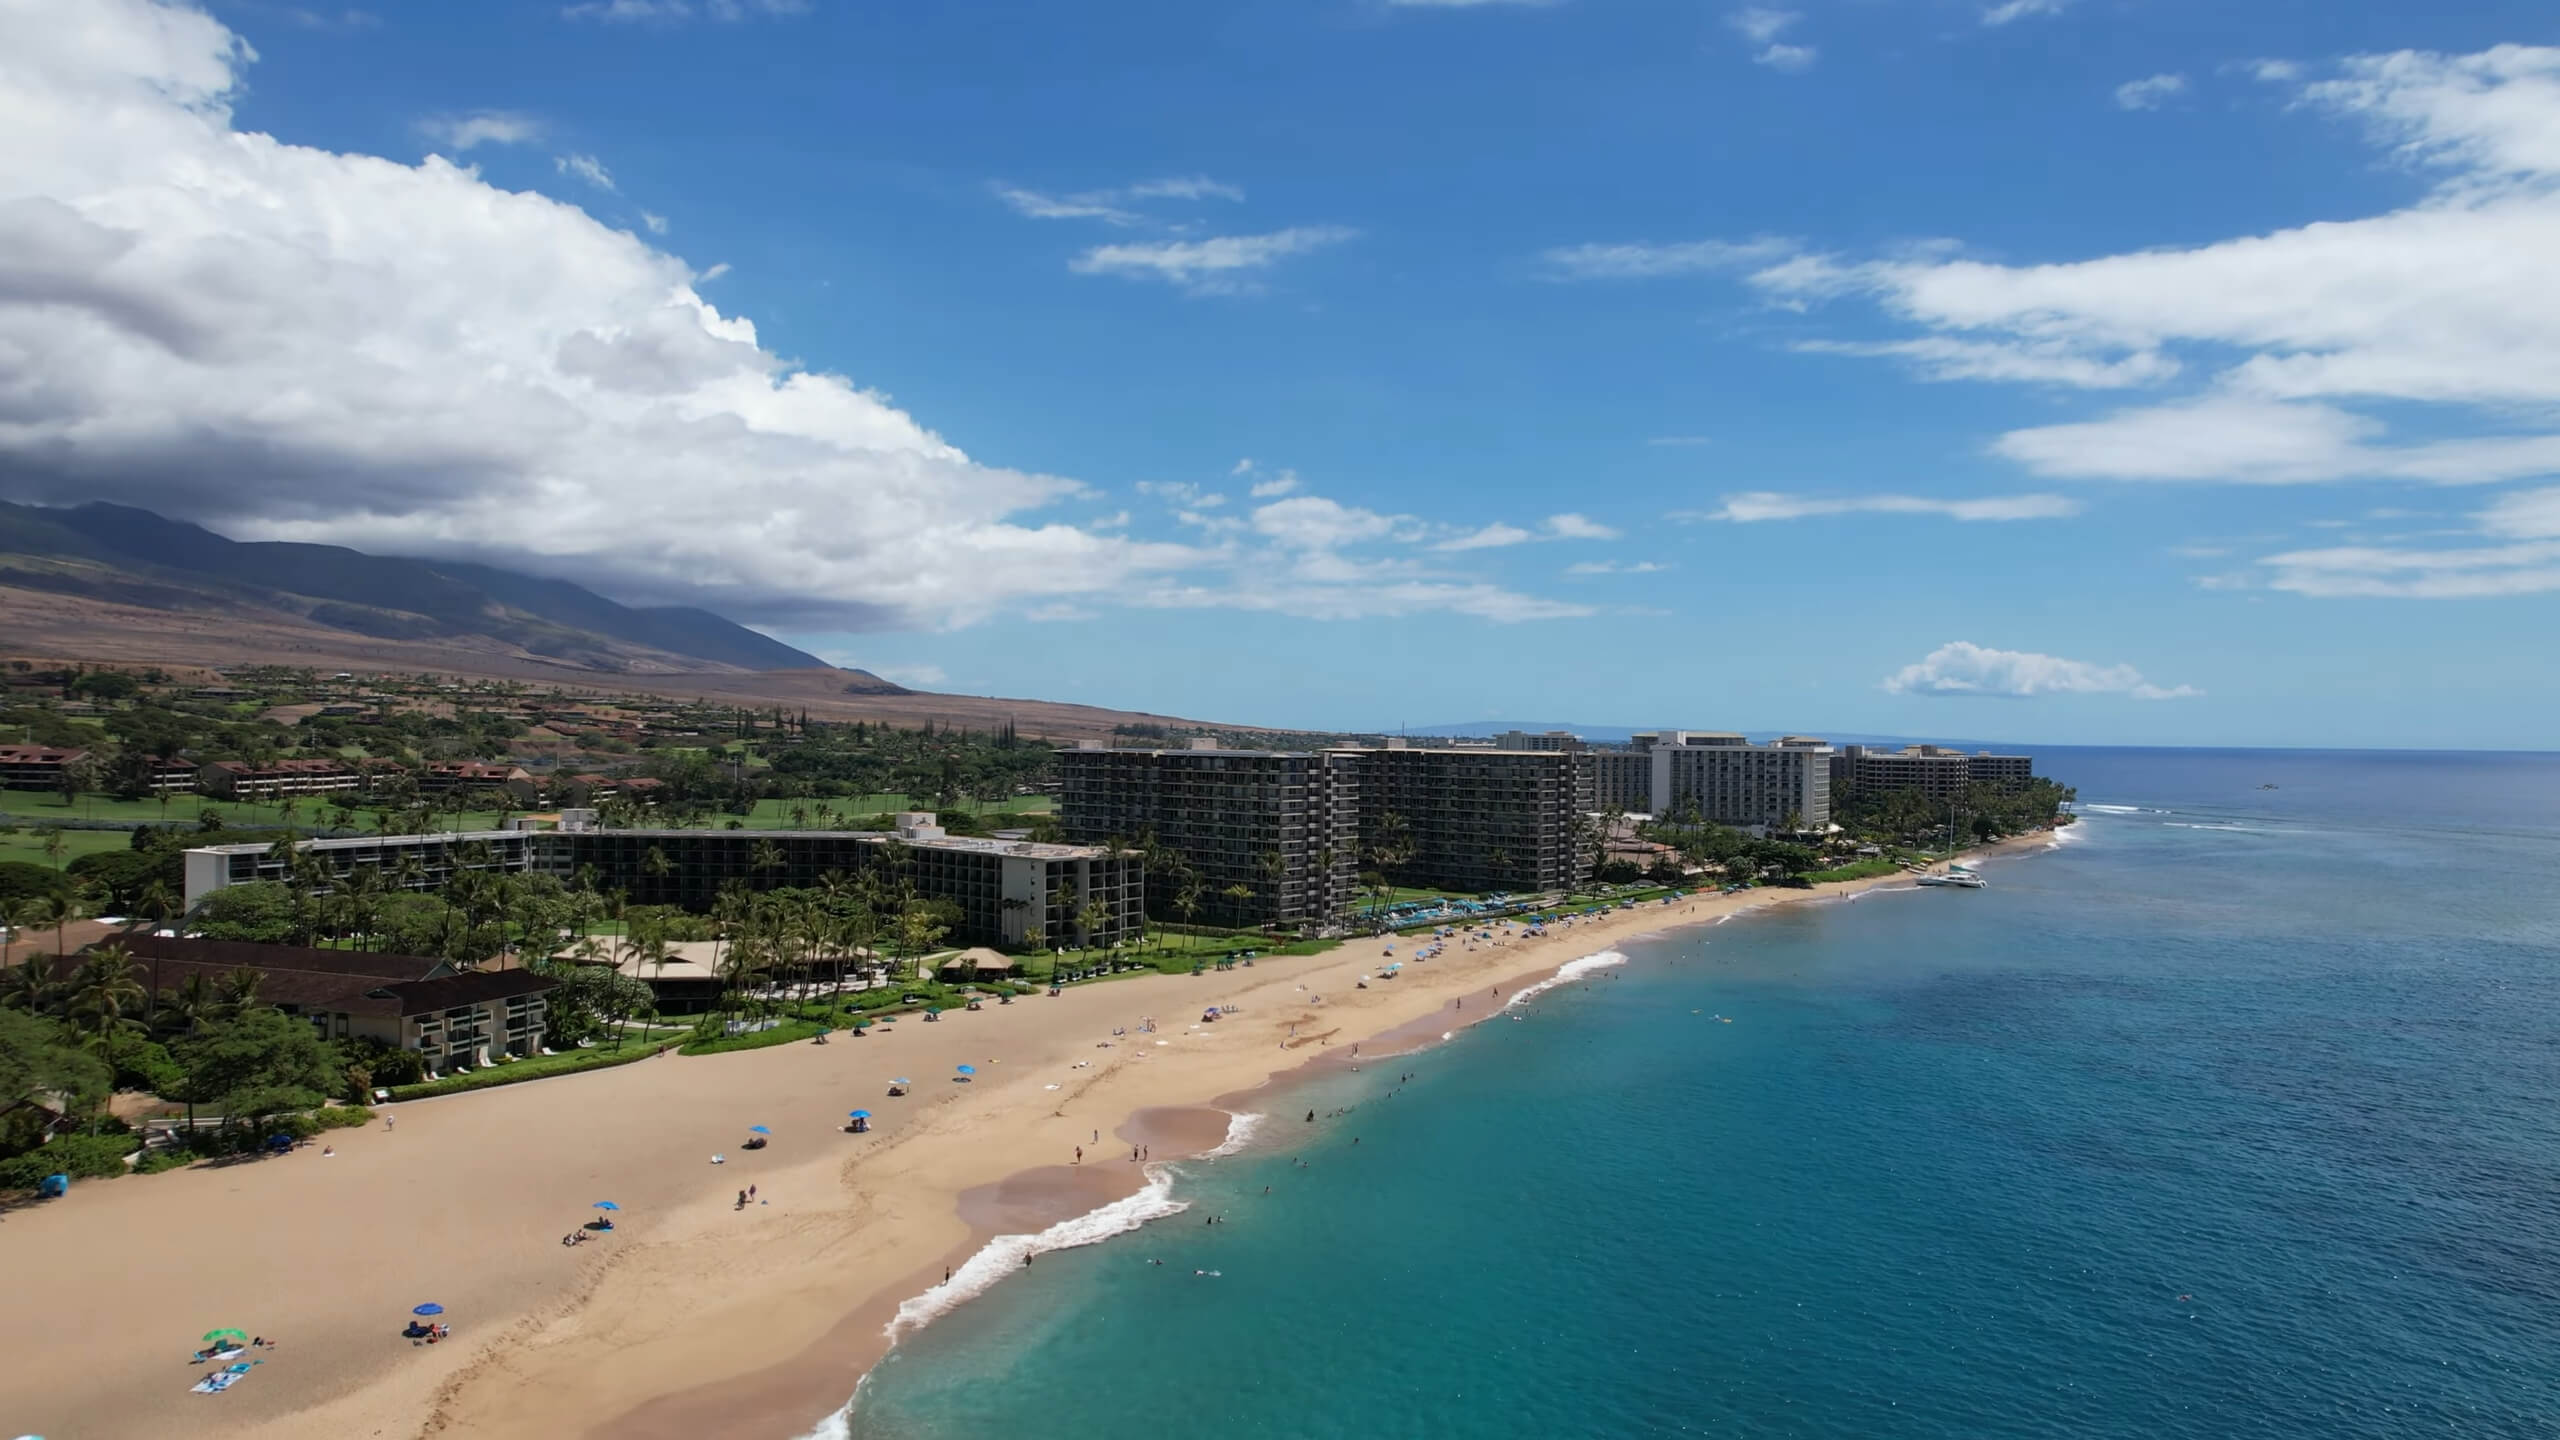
(1219, 265)
(1490, 537)
(2513, 549)
(1760, 506)
(2010, 10)
(2150, 93)
(587, 168)
(657, 223)
(1762, 27)
(1115, 205)
(2301, 348)
(458, 133)
(1640, 260)
(1571, 526)
(1964, 668)
(1185, 187)
(670, 11)
(1615, 567)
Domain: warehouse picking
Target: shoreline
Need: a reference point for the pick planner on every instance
(702, 1315)
(864, 1333)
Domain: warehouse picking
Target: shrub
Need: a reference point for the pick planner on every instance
(146, 1066)
(782, 1034)
(173, 1158)
(82, 1157)
(340, 1117)
(21, 880)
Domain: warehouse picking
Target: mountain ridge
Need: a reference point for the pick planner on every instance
(135, 558)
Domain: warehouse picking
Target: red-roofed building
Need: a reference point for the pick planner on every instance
(451, 1017)
(265, 784)
(36, 767)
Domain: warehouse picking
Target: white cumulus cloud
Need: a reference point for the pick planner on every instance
(1963, 668)
(2298, 349)
(288, 342)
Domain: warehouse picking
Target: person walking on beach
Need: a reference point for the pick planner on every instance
(742, 1199)
(1079, 1154)
(390, 1121)
(751, 1192)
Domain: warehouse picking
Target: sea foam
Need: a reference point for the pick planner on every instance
(1240, 1132)
(1573, 970)
(1005, 1254)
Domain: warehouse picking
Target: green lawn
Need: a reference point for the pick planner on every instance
(35, 807)
(1855, 870)
(27, 845)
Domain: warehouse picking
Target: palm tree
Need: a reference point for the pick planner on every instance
(236, 993)
(654, 863)
(31, 987)
(55, 845)
(103, 997)
(14, 912)
(1090, 920)
(186, 1006)
(58, 910)
(765, 857)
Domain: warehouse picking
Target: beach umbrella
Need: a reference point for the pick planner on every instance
(758, 1130)
(430, 1308)
(859, 1115)
(901, 1080)
(239, 1337)
(607, 1205)
(968, 1069)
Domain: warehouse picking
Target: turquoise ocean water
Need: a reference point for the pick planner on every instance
(2237, 1115)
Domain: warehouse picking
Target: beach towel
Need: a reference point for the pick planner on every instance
(220, 1381)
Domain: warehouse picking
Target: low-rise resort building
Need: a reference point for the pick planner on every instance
(1077, 894)
(450, 1016)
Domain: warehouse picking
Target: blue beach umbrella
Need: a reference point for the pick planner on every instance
(860, 1115)
(901, 1080)
(968, 1069)
(758, 1130)
(430, 1308)
(607, 1205)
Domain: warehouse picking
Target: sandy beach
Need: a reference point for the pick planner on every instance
(697, 1315)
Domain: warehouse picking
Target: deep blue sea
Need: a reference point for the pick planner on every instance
(2238, 1115)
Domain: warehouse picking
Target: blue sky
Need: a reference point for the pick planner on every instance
(2112, 371)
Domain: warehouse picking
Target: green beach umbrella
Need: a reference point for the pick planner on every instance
(240, 1336)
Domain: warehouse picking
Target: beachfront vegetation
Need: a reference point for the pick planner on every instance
(533, 1067)
(72, 1031)
(1855, 870)
(1984, 813)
